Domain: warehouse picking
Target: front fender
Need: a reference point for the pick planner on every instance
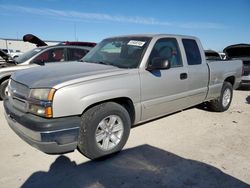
(74, 99)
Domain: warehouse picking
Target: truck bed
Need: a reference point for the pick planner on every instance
(218, 71)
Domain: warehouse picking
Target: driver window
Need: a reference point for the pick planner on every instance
(168, 49)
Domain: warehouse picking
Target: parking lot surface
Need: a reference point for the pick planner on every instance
(191, 148)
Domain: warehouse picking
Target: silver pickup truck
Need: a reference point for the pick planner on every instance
(91, 105)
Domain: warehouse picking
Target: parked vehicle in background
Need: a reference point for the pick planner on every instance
(34, 40)
(242, 52)
(38, 42)
(12, 53)
(222, 55)
(37, 57)
(77, 43)
(92, 104)
(4, 58)
(212, 55)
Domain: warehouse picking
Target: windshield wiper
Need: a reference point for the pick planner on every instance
(100, 62)
(105, 63)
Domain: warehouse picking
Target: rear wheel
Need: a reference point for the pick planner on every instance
(104, 130)
(3, 89)
(222, 103)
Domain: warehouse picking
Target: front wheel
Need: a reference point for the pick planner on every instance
(3, 89)
(104, 130)
(222, 103)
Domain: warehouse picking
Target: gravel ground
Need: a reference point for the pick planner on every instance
(192, 148)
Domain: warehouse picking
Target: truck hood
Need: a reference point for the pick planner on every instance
(49, 76)
(237, 51)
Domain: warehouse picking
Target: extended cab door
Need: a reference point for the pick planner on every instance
(198, 73)
(164, 91)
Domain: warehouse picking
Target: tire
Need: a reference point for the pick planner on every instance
(3, 87)
(222, 103)
(95, 138)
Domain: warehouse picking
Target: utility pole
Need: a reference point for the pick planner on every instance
(76, 38)
(75, 31)
(6, 42)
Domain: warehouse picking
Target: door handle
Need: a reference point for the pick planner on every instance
(183, 76)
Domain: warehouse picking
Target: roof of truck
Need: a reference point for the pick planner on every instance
(155, 35)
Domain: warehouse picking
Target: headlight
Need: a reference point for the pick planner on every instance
(42, 94)
(40, 102)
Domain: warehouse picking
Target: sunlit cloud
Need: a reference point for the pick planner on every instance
(85, 16)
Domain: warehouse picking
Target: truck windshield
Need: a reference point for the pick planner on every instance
(122, 52)
(27, 55)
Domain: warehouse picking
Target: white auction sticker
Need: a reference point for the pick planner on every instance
(136, 43)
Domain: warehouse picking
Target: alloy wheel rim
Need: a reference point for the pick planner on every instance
(226, 97)
(109, 132)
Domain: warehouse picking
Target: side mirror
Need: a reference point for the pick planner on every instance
(158, 63)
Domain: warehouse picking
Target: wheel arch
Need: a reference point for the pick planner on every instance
(126, 102)
(230, 79)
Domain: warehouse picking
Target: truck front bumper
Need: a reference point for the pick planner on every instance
(51, 136)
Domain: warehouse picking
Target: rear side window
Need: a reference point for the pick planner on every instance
(75, 54)
(192, 51)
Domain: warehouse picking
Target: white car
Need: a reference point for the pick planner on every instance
(241, 52)
(12, 53)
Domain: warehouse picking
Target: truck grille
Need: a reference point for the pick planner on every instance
(246, 68)
(18, 95)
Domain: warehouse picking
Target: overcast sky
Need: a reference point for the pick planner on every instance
(217, 23)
